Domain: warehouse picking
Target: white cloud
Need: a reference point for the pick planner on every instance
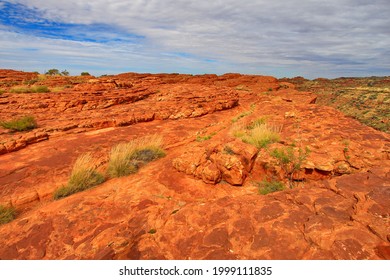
(322, 37)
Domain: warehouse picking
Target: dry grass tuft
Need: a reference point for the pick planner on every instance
(21, 124)
(33, 89)
(257, 133)
(84, 176)
(126, 158)
(269, 186)
(7, 214)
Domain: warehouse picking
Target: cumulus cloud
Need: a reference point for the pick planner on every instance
(282, 38)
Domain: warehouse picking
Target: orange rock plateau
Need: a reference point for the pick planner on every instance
(201, 200)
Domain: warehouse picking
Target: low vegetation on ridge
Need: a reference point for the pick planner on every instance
(365, 99)
(20, 124)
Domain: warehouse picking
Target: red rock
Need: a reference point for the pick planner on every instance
(231, 162)
(170, 208)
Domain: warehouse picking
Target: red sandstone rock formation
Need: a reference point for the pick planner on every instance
(187, 205)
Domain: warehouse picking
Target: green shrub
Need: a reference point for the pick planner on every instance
(127, 158)
(269, 186)
(85, 74)
(290, 161)
(84, 176)
(7, 214)
(52, 72)
(21, 124)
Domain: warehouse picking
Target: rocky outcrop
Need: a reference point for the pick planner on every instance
(230, 162)
(102, 103)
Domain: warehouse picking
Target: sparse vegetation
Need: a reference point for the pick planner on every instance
(241, 115)
(84, 176)
(290, 160)
(30, 82)
(365, 99)
(42, 77)
(203, 138)
(20, 89)
(346, 150)
(20, 124)
(7, 214)
(257, 133)
(127, 158)
(244, 114)
(40, 89)
(269, 186)
(85, 74)
(33, 89)
(256, 122)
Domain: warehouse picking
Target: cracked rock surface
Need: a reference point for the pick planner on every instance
(201, 200)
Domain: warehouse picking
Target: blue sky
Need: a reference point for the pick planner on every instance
(307, 38)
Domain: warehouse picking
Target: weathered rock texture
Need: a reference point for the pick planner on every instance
(201, 200)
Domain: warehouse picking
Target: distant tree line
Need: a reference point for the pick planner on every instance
(56, 72)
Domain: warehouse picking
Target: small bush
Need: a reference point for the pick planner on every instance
(126, 158)
(52, 72)
(290, 161)
(21, 124)
(85, 74)
(84, 176)
(7, 214)
(266, 186)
